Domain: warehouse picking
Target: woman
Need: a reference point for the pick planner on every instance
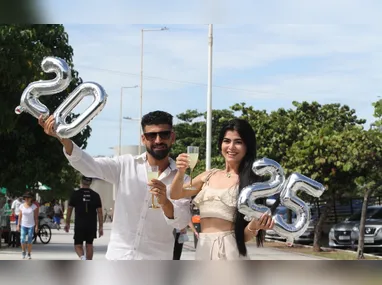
(224, 230)
(28, 223)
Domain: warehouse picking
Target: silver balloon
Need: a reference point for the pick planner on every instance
(246, 201)
(296, 182)
(99, 95)
(29, 101)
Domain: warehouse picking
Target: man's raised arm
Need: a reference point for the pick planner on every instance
(104, 168)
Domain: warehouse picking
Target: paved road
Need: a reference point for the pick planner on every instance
(61, 248)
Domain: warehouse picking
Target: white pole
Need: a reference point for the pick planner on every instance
(141, 100)
(209, 101)
(140, 105)
(120, 124)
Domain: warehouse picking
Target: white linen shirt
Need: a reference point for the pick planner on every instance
(138, 232)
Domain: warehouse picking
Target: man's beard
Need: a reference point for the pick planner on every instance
(159, 154)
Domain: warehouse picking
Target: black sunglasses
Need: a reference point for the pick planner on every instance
(164, 135)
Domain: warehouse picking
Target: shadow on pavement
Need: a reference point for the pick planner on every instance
(63, 247)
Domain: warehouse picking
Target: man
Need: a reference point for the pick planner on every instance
(16, 212)
(87, 205)
(57, 215)
(139, 232)
(16, 208)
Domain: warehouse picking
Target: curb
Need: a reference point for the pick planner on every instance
(297, 253)
(324, 249)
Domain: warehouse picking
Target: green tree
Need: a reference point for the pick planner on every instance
(378, 112)
(336, 159)
(27, 155)
(370, 180)
(367, 185)
(278, 131)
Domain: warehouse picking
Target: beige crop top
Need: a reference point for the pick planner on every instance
(216, 203)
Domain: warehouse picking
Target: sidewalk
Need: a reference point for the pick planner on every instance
(61, 248)
(255, 253)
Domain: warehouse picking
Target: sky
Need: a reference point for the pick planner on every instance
(267, 64)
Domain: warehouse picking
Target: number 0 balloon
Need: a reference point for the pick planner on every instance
(30, 103)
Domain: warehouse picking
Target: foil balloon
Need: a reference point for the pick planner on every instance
(30, 102)
(247, 199)
(65, 130)
(288, 198)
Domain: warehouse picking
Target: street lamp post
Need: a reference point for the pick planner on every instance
(209, 100)
(141, 97)
(120, 119)
(136, 120)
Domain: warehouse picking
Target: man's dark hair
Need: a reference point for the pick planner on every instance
(86, 181)
(156, 118)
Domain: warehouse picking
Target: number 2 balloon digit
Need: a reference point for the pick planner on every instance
(246, 203)
(29, 100)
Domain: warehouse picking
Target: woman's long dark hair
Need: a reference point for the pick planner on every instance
(246, 176)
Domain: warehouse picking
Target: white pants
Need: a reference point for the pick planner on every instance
(218, 246)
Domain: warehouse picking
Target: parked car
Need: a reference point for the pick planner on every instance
(344, 234)
(373, 230)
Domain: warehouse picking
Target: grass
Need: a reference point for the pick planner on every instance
(330, 254)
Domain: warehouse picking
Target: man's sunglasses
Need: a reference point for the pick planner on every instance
(164, 135)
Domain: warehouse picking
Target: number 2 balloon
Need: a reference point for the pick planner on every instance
(31, 104)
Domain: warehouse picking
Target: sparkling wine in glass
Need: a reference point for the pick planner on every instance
(193, 153)
(153, 173)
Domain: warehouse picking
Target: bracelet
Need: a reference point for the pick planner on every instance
(255, 232)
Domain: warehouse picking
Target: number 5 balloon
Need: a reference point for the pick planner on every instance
(29, 100)
(296, 182)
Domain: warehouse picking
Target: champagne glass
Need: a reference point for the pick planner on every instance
(193, 153)
(153, 173)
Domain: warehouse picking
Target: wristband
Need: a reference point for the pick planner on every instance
(255, 232)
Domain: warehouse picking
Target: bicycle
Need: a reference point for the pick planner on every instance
(44, 231)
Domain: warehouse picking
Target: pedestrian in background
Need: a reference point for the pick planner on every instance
(88, 207)
(28, 224)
